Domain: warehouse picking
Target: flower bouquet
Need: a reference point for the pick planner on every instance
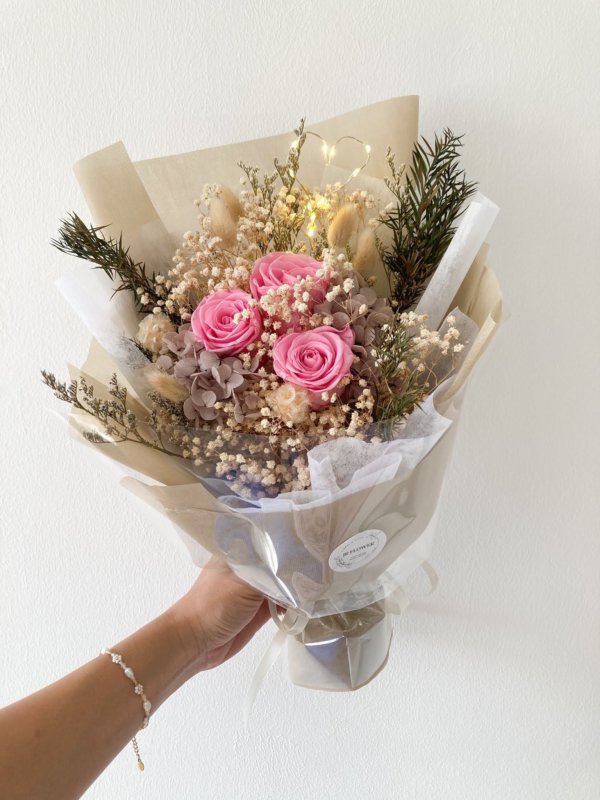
(283, 380)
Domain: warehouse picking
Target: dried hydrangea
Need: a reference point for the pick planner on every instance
(352, 301)
(209, 379)
(355, 304)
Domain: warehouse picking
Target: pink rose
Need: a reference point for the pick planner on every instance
(286, 269)
(316, 360)
(214, 324)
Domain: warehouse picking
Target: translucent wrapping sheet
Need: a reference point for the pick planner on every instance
(341, 652)
(283, 545)
(337, 555)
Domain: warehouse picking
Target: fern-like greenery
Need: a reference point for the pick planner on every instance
(90, 244)
(430, 197)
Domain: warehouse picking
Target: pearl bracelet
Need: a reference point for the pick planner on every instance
(139, 690)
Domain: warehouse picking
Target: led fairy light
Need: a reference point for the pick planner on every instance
(330, 151)
(319, 204)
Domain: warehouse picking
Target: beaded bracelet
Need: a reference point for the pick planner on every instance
(139, 690)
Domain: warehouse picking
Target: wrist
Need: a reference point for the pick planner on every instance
(190, 636)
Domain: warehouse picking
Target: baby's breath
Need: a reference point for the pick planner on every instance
(234, 418)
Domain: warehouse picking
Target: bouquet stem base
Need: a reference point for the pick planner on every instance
(341, 653)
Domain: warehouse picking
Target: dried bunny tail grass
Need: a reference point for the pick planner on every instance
(231, 201)
(342, 227)
(222, 223)
(152, 329)
(166, 385)
(366, 257)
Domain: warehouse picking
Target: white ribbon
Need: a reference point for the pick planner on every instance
(293, 623)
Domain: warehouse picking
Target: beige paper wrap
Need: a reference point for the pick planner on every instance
(282, 546)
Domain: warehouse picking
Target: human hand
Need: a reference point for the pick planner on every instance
(218, 616)
(84, 719)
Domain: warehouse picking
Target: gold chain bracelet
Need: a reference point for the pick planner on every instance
(139, 690)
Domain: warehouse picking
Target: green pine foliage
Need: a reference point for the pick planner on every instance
(430, 197)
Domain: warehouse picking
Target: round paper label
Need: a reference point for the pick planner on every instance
(357, 551)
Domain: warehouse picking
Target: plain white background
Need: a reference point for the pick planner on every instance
(492, 691)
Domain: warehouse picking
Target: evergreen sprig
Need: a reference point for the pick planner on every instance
(108, 254)
(399, 387)
(430, 198)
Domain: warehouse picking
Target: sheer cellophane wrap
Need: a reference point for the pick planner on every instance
(338, 620)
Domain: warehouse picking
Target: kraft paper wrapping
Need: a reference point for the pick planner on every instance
(282, 546)
(152, 202)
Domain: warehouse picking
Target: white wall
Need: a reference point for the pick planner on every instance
(492, 690)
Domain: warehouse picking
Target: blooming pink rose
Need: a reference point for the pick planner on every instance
(286, 269)
(214, 324)
(316, 360)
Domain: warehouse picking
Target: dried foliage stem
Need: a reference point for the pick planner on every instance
(265, 188)
(120, 424)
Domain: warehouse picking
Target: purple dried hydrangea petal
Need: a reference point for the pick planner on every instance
(378, 318)
(209, 398)
(189, 409)
(222, 373)
(251, 401)
(238, 414)
(359, 334)
(340, 320)
(354, 304)
(210, 378)
(368, 336)
(380, 304)
(170, 340)
(185, 369)
(201, 386)
(235, 381)
(183, 343)
(165, 363)
(202, 381)
(369, 294)
(207, 360)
